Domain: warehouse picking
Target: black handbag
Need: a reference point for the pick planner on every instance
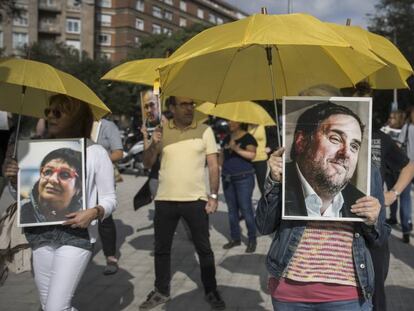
(143, 196)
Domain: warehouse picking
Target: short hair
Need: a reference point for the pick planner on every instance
(79, 110)
(170, 101)
(310, 120)
(72, 157)
(321, 90)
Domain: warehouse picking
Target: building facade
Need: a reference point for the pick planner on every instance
(108, 28)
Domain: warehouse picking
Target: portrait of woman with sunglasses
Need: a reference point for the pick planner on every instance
(58, 191)
(61, 252)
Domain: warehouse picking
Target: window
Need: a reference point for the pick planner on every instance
(156, 11)
(105, 3)
(156, 29)
(104, 39)
(22, 20)
(140, 6)
(104, 19)
(212, 18)
(168, 15)
(20, 39)
(183, 22)
(73, 25)
(137, 41)
(1, 39)
(183, 6)
(74, 44)
(219, 21)
(200, 13)
(139, 24)
(167, 31)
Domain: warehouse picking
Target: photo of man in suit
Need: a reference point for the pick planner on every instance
(324, 156)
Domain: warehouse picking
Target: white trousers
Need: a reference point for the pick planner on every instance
(57, 272)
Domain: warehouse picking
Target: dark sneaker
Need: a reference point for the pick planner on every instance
(251, 247)
(215, 301)
(154, 299)
(110, 268)
(231, 244)
(391, 221)
(406, 238)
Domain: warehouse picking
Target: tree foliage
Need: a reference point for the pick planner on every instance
(163, 45)
(89, 71)
(10, 7)
(121, 98)
(394, 20)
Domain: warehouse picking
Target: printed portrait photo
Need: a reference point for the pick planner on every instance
(327, 156)
(150, 109)
(50, 181)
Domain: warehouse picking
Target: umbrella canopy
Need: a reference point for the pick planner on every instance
(244, 112)
(141, 71)
(398, 69)
(230, 62)
(37, 82)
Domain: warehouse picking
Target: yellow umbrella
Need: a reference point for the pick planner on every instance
(26, 85)
(142, 71)
(244, 112)
(398, 69)
(232, 62)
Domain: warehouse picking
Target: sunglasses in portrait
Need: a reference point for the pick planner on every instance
(56, 112)
(63, 174)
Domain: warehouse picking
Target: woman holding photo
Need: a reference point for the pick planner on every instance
(61, 253)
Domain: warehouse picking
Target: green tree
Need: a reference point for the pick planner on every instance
(89, 71)
(160, 45)
(394, 20)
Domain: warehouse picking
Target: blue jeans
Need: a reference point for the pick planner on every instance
(405, 209)
(348, 305)
(238, 191)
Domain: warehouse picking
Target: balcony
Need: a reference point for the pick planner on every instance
(49, 28)
(49, 5)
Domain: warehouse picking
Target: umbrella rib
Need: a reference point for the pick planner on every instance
(281, 67)
(225, 76)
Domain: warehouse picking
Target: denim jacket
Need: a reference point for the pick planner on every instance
(287, 234)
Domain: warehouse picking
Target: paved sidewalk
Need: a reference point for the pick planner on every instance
(241, 277)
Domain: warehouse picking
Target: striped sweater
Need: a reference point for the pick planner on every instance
(324, 254)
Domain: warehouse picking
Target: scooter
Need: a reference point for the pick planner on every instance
(132, 162)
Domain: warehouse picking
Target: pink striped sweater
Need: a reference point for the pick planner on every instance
(324, 254)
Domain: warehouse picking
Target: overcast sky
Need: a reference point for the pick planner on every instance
(336, 11)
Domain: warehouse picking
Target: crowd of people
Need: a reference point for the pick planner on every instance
(313, 265)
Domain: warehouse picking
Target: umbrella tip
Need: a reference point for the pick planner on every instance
(264, 10)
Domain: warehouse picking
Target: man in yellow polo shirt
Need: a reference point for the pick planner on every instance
(185, 146)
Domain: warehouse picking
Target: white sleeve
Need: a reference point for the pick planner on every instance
(105, 184)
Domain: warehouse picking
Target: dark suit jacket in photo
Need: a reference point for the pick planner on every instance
(295, 201)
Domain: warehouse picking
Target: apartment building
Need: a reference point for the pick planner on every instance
(108, 28)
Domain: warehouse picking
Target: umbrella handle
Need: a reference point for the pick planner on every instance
(19, 121)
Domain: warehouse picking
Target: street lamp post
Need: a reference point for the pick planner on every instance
(290, 6)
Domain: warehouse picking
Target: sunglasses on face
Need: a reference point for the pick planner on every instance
(55, 112)
(63, 174)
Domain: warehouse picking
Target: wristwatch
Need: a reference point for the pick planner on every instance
(214, 196)
(397, 194)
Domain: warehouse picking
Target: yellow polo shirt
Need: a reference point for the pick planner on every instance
(259, 133)
(183, 157)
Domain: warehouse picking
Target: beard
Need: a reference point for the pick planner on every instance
(325, 182)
